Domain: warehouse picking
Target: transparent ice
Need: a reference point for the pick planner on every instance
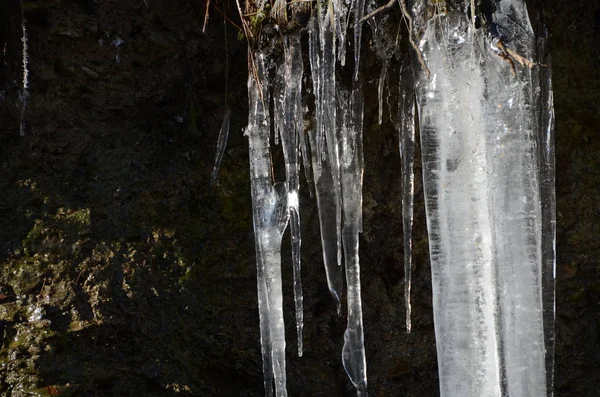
(270, 215)
(482, 188)
(486, 121)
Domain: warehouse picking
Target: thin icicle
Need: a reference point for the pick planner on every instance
(548, 195)
(384, 47)
(291, 117)
(221, 145)
(342, 18)
(25, 62)
(350, 109)
(407, 154)
(380, 89)
(328, 116)
(305, 152)
(314, 50)
(359, 11)
(270, 214)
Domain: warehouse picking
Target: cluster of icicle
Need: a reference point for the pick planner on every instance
(486, 124)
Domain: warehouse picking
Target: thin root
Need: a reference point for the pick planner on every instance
(510, 55)
(206, 16)
(411, 37)
(377, 11)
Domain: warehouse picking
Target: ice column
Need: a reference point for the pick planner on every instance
(481, 178)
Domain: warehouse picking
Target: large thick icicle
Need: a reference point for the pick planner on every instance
(406, 120)
(270, 214)
(350, 112)
(480, 172)
(518, 208)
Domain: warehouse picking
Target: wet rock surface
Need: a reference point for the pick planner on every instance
(124, 273)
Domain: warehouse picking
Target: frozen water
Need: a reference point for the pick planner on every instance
(325, 160)
(486, 119)
(548, 197)
(350, 112)
(221, 145)
(481, 180)
(289, 117)
(270, 214)
(25, 62)
(406, 119)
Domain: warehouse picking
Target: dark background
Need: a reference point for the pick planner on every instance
(124, 273)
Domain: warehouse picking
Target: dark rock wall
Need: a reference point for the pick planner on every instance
(124, 273)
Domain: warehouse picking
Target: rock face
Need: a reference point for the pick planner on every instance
(123, 273)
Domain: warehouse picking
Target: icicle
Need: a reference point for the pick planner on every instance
(342, 18)
(327, 221)
(291, 117)
(483, 208)
(458, 219)
(359, 10)
(380, 88)
(350, 110)
(548, 195)
(270, 213)
(25, 57)
(314, 49)
(325, 155)
(304, 151)
(330, 131)
(406, 121)
(221, 145)
(519, 245)
(384, 47)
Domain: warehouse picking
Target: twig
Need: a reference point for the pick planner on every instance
(249, 37)
(508, 55)
(238, 27)
(411, 38)
(206, 16)
(514, 55)
(377, 11)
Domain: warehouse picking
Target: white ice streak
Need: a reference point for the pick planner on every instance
(270, 214)
(221, 145)
(480, 171)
